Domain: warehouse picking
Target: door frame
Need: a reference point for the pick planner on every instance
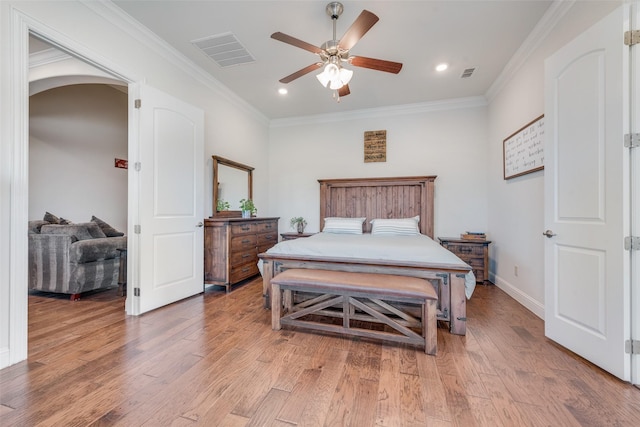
(20, 28)
(634, 166)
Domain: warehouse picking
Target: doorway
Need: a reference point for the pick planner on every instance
(78, 151)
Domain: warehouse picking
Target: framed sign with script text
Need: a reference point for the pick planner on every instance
(375, 146)
(523, 151)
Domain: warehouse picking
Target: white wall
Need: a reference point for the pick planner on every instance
(75, 133)
(450, 142)
(516, 206)
(99, 32)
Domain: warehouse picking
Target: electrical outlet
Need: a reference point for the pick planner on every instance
(515, 270)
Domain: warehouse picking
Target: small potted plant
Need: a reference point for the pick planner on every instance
(298, 223)
(248, 208)
(222, 206)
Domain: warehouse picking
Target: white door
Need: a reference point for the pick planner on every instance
(587, 271)
(170, 241)
(635, 195)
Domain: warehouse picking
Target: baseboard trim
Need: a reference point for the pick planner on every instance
(536, 307)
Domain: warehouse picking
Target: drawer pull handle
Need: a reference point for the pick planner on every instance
(244, 270)
(466, 250)
(246, 241)
(245, 228)
(245, 255)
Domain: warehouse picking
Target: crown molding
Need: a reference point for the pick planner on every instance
(540, 32)
(135, 29)
(396, 110)
(46, 57)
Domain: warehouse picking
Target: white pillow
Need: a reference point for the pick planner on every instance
(399, 226)
(343, 225)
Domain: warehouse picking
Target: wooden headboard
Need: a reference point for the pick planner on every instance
(395, 197)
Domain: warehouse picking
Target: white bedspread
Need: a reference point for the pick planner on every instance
(417, 248)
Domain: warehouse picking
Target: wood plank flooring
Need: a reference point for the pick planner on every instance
(213, 360)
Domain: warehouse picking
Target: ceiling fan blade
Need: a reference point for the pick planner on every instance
(344, 91)
(360, 26)
(376, 64)
(295, 42)
(300, 73)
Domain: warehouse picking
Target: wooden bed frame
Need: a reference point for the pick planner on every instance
(399, 197)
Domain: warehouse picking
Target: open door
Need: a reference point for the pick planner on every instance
(167, 237)
(587, 270)
(634, 61)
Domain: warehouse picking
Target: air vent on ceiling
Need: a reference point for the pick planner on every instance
(225, 49)
(467, 73)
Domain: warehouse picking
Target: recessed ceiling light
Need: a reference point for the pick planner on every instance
(442, 67)
(283, 91)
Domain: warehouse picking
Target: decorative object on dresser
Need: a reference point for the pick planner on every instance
(292, 236)
(473, 235)
(248, 208)
(232, 245)
(474, 251)
(298, 223)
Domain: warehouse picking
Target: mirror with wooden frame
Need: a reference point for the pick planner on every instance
(232, 181)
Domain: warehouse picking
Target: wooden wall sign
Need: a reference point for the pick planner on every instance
(523, 151)
(121, 163)
(375, 146)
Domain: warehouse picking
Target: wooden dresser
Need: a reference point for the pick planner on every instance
(232, 245)
(473, 252)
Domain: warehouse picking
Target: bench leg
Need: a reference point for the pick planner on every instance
(287, 300)
(429, 327)
(276, 306)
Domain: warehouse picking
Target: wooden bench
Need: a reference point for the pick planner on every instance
(356, 298)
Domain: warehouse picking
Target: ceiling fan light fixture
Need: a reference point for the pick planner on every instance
(332, 71)
(330, 76)
(334, 77)
(345, 75)
(335, 84)
(323, 78)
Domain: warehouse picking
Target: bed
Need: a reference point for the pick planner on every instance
(371, 198)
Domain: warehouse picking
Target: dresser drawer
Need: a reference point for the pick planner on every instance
(474, 262)
(466, 251)
(242, 271)
(268, 238)
(239, 229)
(241, 243)
(266, 226)
(243, 257)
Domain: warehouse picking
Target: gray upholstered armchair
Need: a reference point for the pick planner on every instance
(72, 259)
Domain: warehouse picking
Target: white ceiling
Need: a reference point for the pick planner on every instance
(420, 34)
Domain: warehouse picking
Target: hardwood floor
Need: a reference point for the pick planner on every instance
(213, 360)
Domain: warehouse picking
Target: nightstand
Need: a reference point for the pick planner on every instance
(293, 236)
(473, 252)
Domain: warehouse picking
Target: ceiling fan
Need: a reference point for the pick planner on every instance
(334, 53)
